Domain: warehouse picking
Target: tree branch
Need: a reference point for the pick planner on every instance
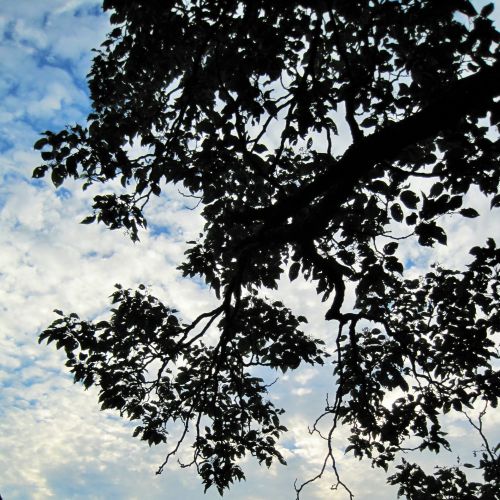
(450, 105)
(334, 272)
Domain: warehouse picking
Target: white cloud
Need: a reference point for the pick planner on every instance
(301, 391)
(55, 442)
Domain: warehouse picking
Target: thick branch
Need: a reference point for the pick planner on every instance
(451, 104)
(350, 106)
(334, 271)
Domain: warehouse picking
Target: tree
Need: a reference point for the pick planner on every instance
(201, 84)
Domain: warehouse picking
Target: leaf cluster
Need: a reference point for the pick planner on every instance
(149, 368)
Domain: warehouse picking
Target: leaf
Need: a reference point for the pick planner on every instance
(397, 212)
(47, 155)
(440, 235)
(39, 172)
(56, 177)
(466, 8)
(411, 220)
(43, 336)
(393, 264)
(294, 271)
(379, 186)
(41, 143)
(390, 248)
(369, 122)
(71, 166)
(487, 10)
(455, 203)
(495, 201)
(430, 232)
(409, 198)
(469, 213)
(88, 220)
(436, 189)
(260, 148)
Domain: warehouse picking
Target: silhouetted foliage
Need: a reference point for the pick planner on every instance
(240, 102)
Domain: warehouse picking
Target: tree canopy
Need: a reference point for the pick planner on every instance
(241, 103)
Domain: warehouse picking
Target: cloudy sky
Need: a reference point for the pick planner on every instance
(54, 442)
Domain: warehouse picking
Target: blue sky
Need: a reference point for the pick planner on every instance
(54, 442)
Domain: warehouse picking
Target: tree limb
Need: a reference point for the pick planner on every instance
(450, 105)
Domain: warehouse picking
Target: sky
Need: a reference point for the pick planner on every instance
(54, 441)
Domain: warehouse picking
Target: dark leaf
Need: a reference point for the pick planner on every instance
(47, 155)
(390, 248)
(409, 198)
(488, 9)
(41, 143)
(469, 212)
(397, 212)
(495, 202)
(88, 220)
(294, 271)
(39, 172)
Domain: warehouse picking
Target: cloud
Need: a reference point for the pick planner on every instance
(55, 441)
